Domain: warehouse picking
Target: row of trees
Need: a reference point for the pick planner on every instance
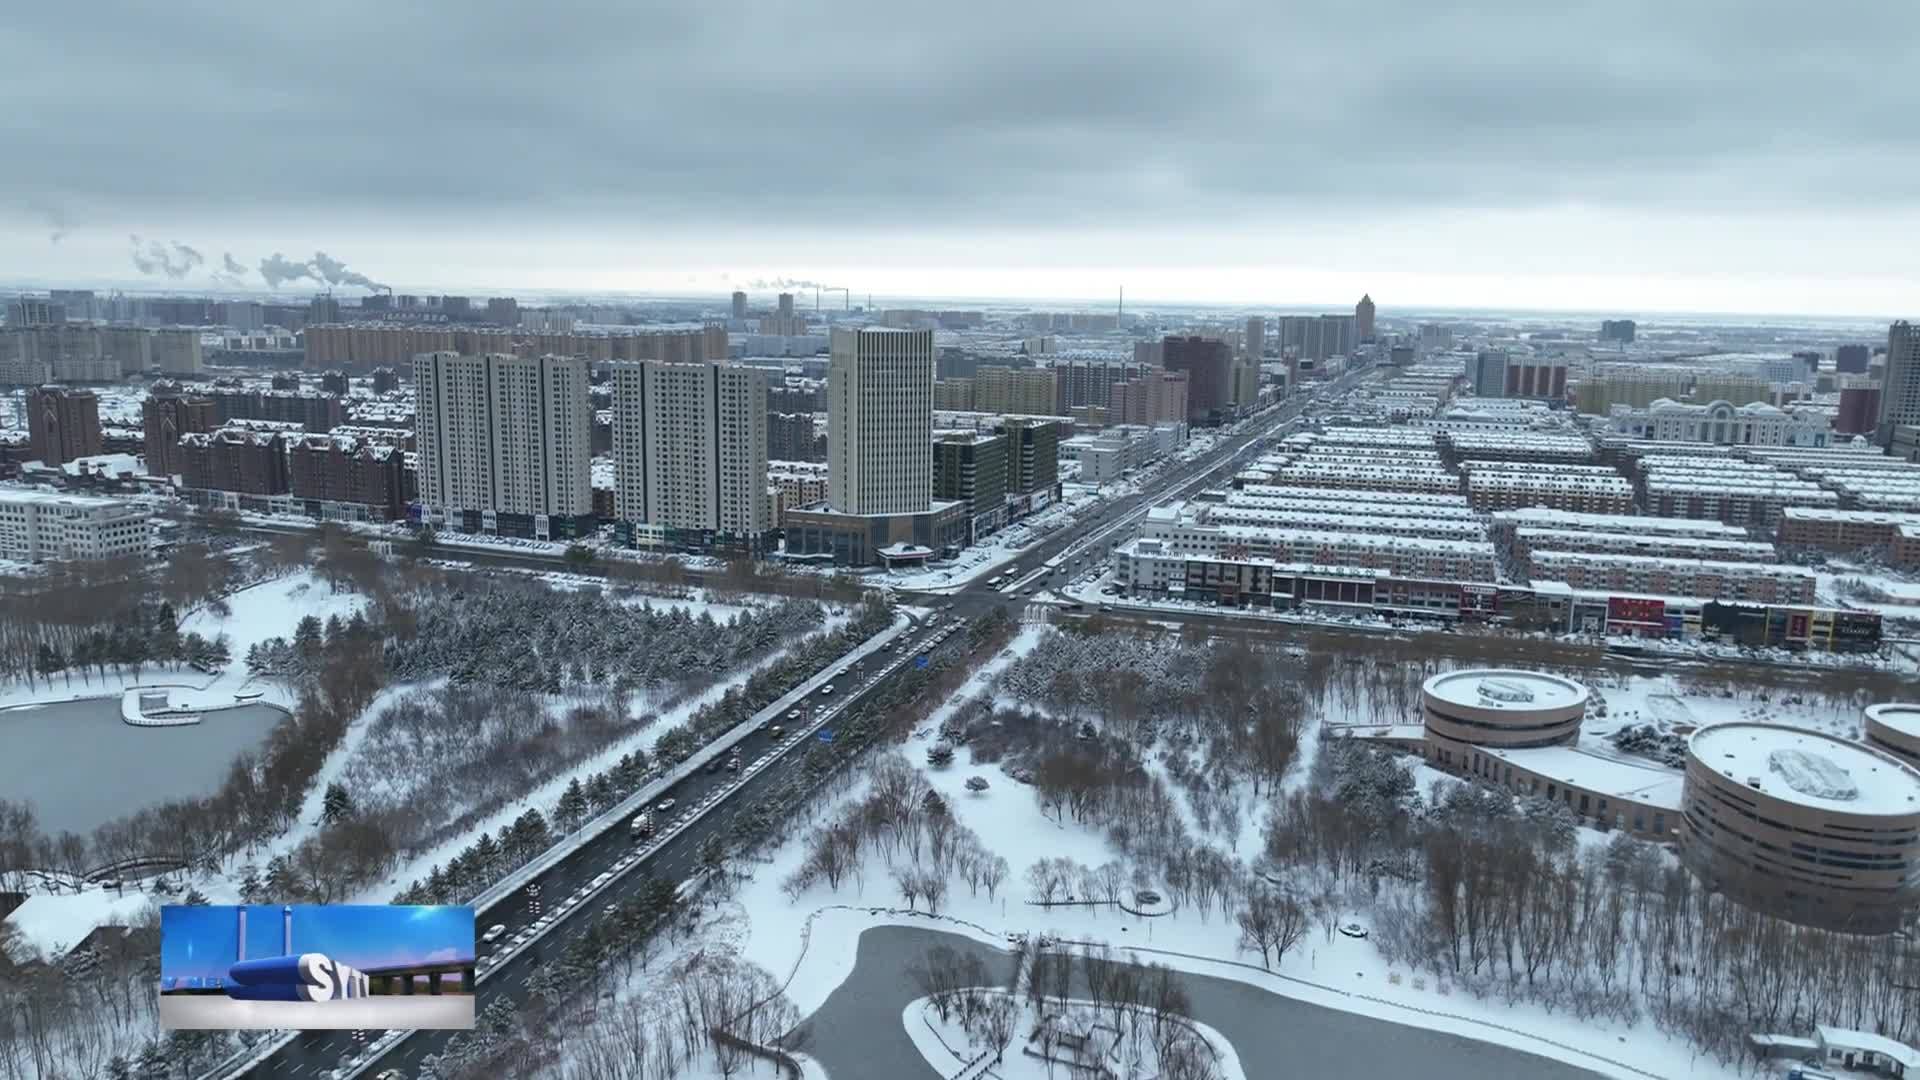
(523, 634)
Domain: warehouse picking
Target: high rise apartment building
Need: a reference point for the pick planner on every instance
(1254, 340)
(1852, 359)
(1208, 366)
(690, 453)
(1900, 390)
(1317, 337)
(505, 442)
(1363, 318)
(1085, 380)
(1156, 397)
(880, 421)
(1018, 391)
(62, 424)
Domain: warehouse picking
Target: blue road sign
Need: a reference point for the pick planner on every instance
(920, 661)
(826, 736)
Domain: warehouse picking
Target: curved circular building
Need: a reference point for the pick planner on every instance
(1813, 828)
(1895, 728)
(1502, 708)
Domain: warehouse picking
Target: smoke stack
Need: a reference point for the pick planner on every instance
(242, 951)
(286, 930)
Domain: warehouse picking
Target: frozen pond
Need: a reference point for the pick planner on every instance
(81, 766)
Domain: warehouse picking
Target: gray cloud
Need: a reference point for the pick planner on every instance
(232, 266)
(1070, 113)
(174, 260)
(783, 283)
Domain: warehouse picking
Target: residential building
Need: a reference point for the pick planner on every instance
(62, 424)
(1852, 359)
(1208, 366)
(1657, 575)
(1156, 397)
(1753, 424)
(1900, 390)
(345, 477)
(690, 453)
(740, 308)
(880, 422)
(1536, 377)
(1316, 337)
(1620, 331)
(1363, 319)
(42, 526)
(955, 395)
(505, 442)
(1490, 373)
(1087, 379)
(177, 352)
(1033, 456)
(315, 412)
(972, 468)
(234, 460)
(168, 413)
(34, 311)
(795, 437)
(1636, 386)
(1010, 390)
(1253, 342)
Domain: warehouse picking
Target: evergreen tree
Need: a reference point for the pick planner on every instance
(309, 641)
(195, 898)
(249, 884)
(49, 662)
(573, 806)
(119, 1068)
(486, 853)
(337, 805)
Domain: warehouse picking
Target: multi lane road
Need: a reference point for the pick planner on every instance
(705, 805)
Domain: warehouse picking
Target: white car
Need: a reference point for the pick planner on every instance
(665, 805)
(494, 933)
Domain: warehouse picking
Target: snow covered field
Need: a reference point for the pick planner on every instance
(814, 935)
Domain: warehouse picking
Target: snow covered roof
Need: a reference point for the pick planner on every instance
(1504, 689)
(1848, 1039)
(1853, 517)
(1901, 716)
(1807, 768)
(1623, 523)
(1648, 785)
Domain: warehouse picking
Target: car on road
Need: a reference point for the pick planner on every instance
(665, 805)
(609, 909)
(777, 731)
(827, 690)
(494, 933)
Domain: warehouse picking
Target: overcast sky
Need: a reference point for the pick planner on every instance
(1733, 155)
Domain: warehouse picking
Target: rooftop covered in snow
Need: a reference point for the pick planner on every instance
(1807, 768)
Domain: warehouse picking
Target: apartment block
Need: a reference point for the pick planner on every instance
(505, 442)
(62, 424)
(880, 421)
(235, 460)
(167, 414)
(690, 453)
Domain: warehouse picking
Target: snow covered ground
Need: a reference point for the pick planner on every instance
(268, 610)
(942, 1042)
(1001, 548)
(53, 924)
(815, 935)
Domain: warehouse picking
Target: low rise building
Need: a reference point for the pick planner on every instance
(1841, 530)
(38, 526)
(1661, 576)
(1755, 423)
(234, 459)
